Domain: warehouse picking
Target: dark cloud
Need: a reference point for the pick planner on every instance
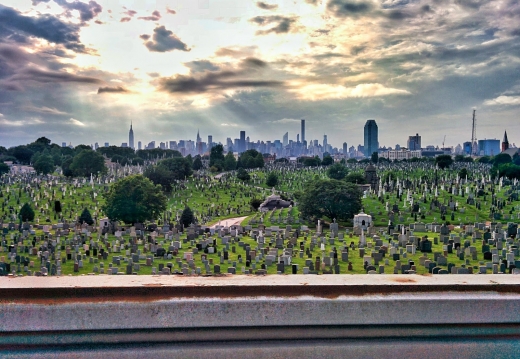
(109, 89)
(265, 6)
(86, 11)
(156, 16)
(201, 66)
(282, 24)
(145, 36)
(210, 82)
(471, 4)
(164, 40)
(347, 8)
(45, 76)
(207, 81)
(125, 19)
(44, 26)
(170, 11)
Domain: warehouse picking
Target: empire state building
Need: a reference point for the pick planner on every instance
(131, 137)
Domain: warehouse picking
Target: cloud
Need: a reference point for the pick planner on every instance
(163, 41)
(229, 124)
(170, 11)
(265, 6)
(44, 110)
(503, 100)
(236, 52)
(45, 76)
(316, 92)
(156, 16)
(286, 120)
(282, 24)
(109, 89)
(125, 19)
(75, 122)
(201, 66)
(347, 8)
(130, 13)
(247, 75)
(45, 27)
(86, 11)
(19, 123)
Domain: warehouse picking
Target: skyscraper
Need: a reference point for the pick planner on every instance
(345, 148)
(371, 144)
(131, 137)
(414, 142)
(285, 139)
(198, 137)
(325, 144)
(303, 130)
(242, 143)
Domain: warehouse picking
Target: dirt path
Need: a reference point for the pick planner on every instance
(230, 222)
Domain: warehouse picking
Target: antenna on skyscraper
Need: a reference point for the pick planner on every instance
(474, 134)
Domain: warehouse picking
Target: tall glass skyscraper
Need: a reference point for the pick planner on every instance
(371, 143)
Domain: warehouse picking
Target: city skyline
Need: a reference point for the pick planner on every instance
(74, 71)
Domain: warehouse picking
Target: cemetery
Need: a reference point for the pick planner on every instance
(415, 219)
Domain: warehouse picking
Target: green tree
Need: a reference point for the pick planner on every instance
(88, 162)
(355, 177)
(216, 157)
(337, 171)
(134, 199)
(27, 213)
(272, 179)
(327, 161)
(160, 175)
(255, 203)
(251, 159)
(374, 157)
(330, 198)
(44, 164)
(187, 217)
(463, 173)
(311, 162)
(85, 217)
(65, 166)
(352, 160)
(3, 168)
(21, 153)
(178, 166)
(484, 159)
(243, 175)
(197, 163)
(230, 163)
(443, 161)
(501, 158)
(137, 161)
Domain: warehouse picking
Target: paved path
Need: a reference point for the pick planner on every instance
(230, 222)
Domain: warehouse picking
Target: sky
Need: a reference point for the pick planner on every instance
(81, 72)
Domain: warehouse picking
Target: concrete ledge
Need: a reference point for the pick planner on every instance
(76, 314)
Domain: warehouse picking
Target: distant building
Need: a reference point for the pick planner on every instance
(371, 144)
(242, 142)
(124, 144)
(131, 137)
(505, 142)
(414, 142)
(303, 130)
(345, 148)
(139, 145)
(466, 148)
(210, 141)
(488, 147)
(285, 140)
(400, 154)
(107, 144)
